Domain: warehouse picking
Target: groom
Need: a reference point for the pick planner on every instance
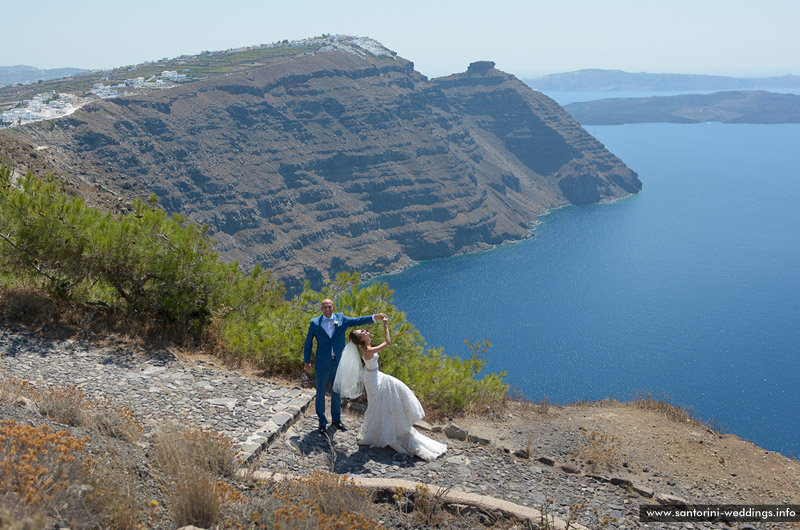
(330, 330)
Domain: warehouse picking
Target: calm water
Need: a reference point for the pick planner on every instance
(691, 288)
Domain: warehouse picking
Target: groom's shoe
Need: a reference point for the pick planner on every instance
(339, 425)
(323, 430)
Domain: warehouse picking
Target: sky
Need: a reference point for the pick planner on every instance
(525, 38)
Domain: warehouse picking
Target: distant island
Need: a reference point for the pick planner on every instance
(24, 74)
(618, 80)
(749, 106)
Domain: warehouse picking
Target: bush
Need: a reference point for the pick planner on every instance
(37, 463)
(158, 266)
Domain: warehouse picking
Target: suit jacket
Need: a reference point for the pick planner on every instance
(325, 343)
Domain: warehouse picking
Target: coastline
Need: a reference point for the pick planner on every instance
(371, 278)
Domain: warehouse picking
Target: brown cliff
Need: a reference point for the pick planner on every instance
(320, 162)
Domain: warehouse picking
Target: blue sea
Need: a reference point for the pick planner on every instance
(689, 289)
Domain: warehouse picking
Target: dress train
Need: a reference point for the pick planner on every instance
(392, 410)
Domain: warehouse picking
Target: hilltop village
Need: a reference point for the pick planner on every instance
(52, 105)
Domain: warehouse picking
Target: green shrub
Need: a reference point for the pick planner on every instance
(155, 265)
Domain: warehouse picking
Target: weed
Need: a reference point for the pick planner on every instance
(11, 388)
(68, 405)
(193, 462)
(321, 500)
(112, 496)
(63, 404)
(540, 406)
(41, 471)
(662, 405)
(11, 519)
(37, 462)
(599, 451)
(113, 420)
(428, 506)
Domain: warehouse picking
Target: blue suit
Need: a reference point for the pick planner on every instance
(324, 364)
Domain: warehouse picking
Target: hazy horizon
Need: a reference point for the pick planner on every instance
(526, 38)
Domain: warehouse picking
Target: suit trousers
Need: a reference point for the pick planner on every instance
(326, 373)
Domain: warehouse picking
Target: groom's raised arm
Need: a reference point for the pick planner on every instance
(350, 322)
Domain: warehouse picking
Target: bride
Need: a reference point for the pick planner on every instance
(392, 408)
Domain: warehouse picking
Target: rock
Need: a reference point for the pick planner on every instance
(546, 460)
(424, 425)
(620, 481)
(455, 432)
(282, 418)
(644, 491)
(480, 67)
(223, 402)
(670, 500)
(522, 453)
(478, 440)
(359, 407)
(570, 468)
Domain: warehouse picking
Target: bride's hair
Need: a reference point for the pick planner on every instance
(355, 339)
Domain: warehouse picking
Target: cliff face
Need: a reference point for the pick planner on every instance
(331, 161)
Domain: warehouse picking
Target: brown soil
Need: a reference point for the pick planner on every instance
(648, 447)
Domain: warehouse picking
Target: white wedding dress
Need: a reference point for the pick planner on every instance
(392, 410)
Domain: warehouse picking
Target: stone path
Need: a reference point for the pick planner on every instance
(276, 429)
(160, 387)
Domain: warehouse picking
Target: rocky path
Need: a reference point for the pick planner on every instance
(160, 387)
(276, 429)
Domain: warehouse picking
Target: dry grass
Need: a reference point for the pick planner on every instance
(319, 501)
(77, 481)
(13, 519)
(34, 308)
(113, 420)
(200, 448)
(11, 388)
(28, 305)
(600, 452)
(540, 406)
(50, 473)
(591, 517)
(193, 464)
(68, 405)
(428, 506)
(63, 404)
(38, 463)
(662, 405)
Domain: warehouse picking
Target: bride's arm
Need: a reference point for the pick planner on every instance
(369, 351)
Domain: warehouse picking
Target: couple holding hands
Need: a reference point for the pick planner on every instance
(392, 408)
